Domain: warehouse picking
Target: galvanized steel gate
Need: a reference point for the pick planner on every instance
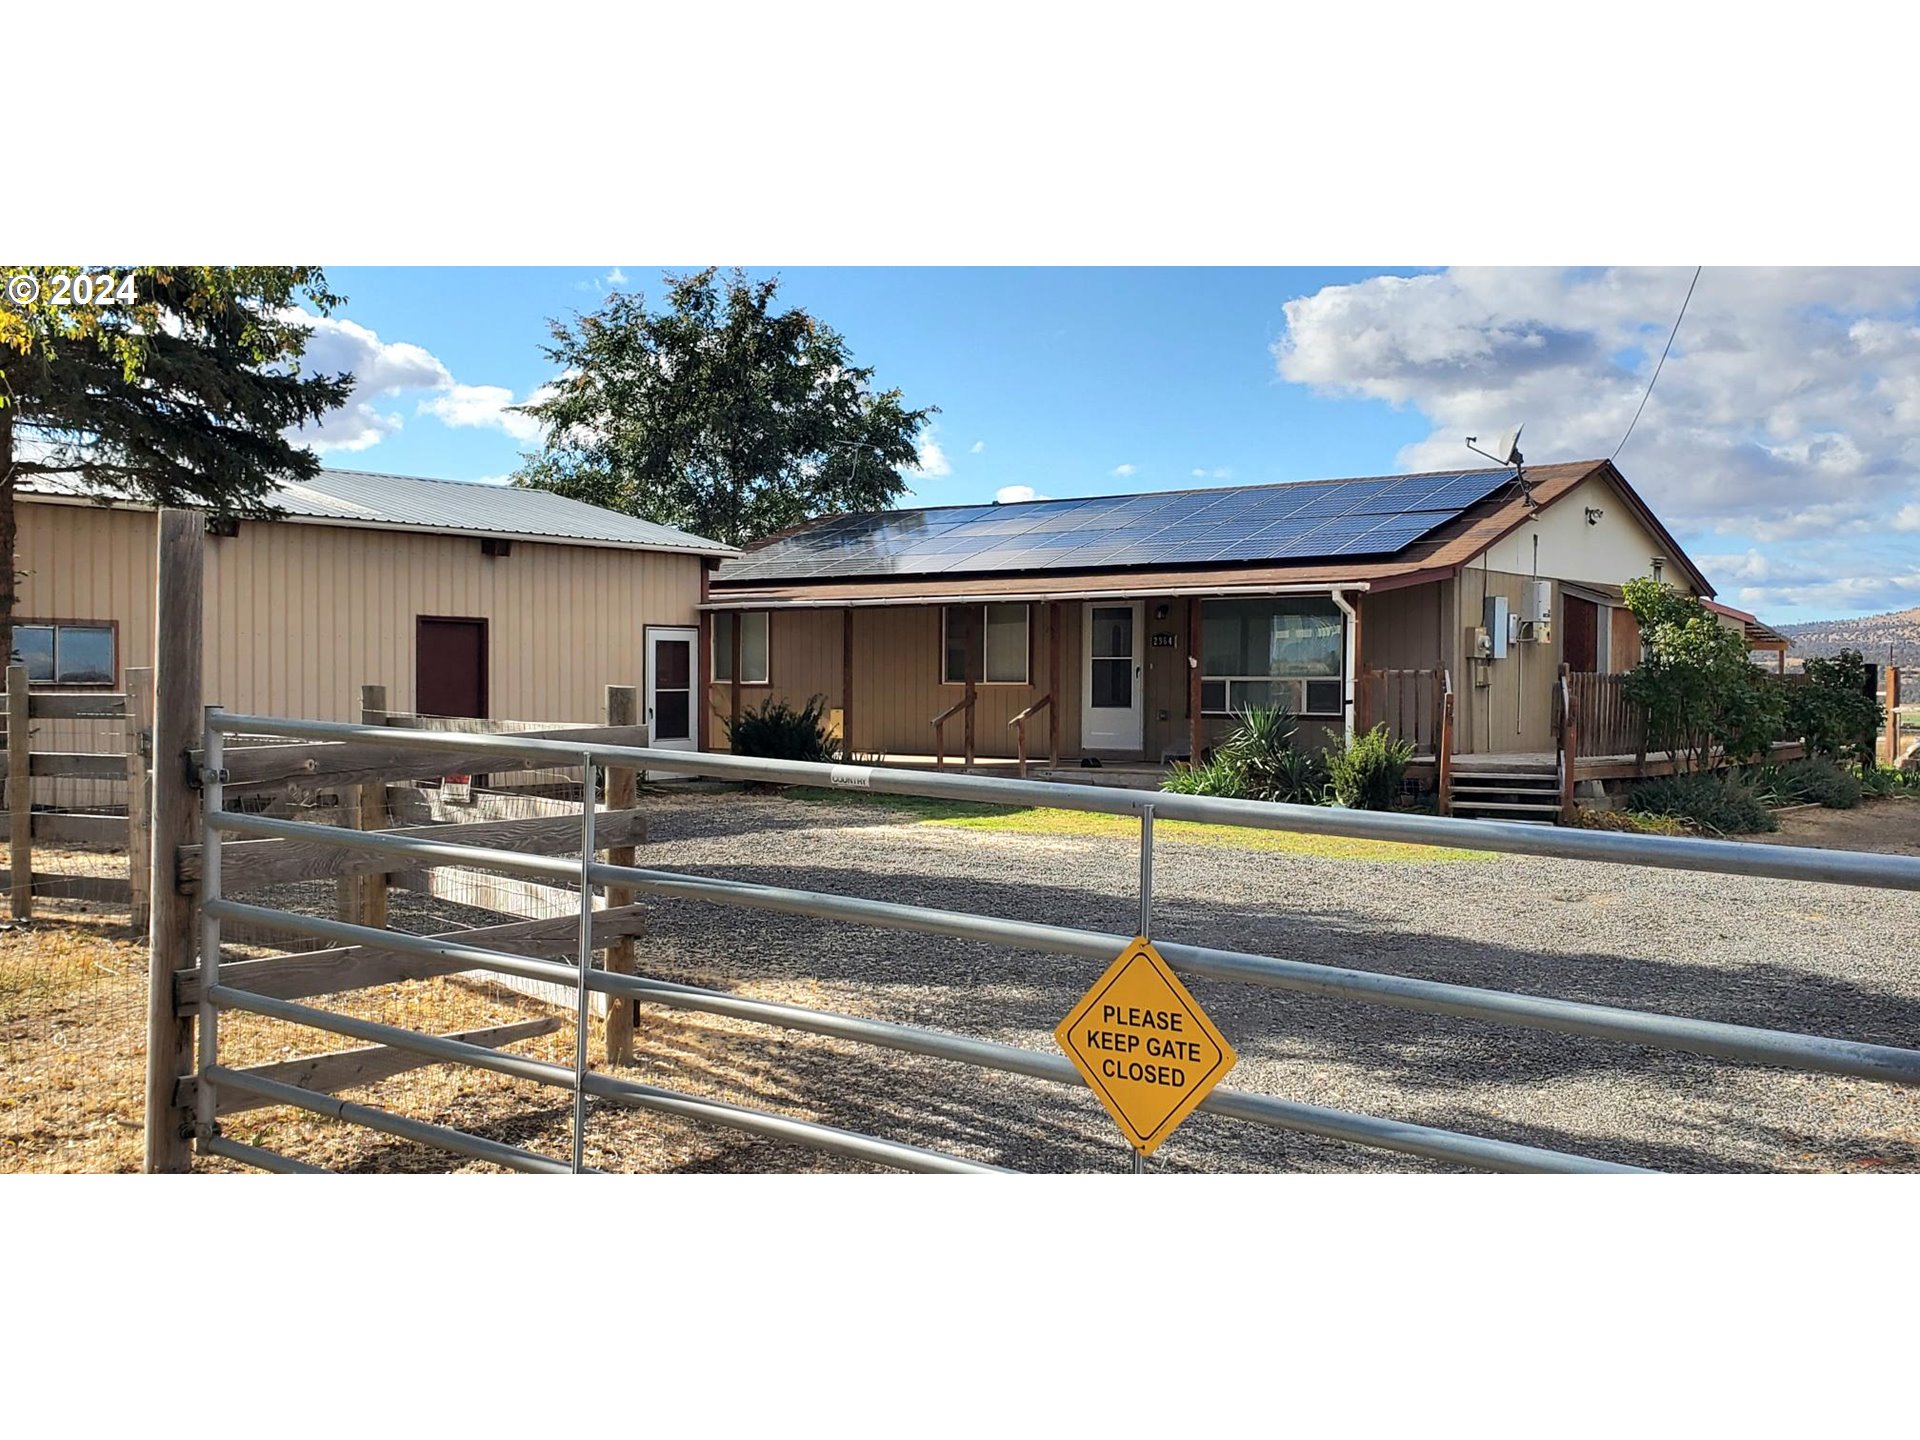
(204, 994)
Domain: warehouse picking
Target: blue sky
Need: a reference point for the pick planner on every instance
(1779, 444)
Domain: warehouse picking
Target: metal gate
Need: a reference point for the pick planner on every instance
(194, 1101)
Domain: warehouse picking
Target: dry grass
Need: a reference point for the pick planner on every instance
(72, 1046)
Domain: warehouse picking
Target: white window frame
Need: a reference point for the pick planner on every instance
(724, 653)
(1296, 683)
(1026, 645)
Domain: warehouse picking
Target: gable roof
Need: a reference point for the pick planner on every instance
(447, 507)
(1459, 535)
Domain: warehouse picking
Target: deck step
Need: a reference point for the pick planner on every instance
(1462, 776)
(1459, 804)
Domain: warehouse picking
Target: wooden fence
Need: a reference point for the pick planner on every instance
(1411, 703)
(1609, 723)
(117, 826)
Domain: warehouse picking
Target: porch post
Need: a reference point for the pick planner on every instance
(733, 686)
(702, 665)
(975, 615)
(1053, 683)
(1352, 656)
(846, 683)
(1196, 726)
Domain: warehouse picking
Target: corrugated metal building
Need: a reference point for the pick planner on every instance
(459, 598)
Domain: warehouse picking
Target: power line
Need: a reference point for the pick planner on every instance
(1657, 368)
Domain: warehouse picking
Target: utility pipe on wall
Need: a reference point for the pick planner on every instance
(1353, 639)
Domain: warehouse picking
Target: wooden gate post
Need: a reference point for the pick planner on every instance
(19, 793)
(177, 722)
(371, 808)
(623, 708)
(139, 720)
(1893, 715)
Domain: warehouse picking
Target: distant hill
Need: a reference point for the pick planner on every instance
(1870, 635)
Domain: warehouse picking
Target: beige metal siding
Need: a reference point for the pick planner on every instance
(300, 616)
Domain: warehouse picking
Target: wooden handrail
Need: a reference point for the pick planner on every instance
(1443, 746)
(1019, 724)
(966, 702)
(1567, 743)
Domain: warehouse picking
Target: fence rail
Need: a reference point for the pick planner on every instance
(213, 988)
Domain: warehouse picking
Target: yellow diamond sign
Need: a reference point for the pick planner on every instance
(1145, 1046)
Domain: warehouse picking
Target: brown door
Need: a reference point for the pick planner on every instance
(1624, 636)
(450, 667)
(1582, 647)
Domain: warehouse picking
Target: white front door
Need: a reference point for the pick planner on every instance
(670, 716)
(1110, 708)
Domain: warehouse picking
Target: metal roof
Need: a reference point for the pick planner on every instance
(1363, 516)
(457, 507)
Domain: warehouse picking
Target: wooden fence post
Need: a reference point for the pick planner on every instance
(177, 721)
(371, 812)
(623, 708)
(139, 720)
(1893, 715)
(19, 793)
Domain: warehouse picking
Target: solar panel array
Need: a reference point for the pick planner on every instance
(1307, 521)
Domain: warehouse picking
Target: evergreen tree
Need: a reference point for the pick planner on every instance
(175, 390)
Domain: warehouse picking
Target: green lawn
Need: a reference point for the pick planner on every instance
(1080, 823)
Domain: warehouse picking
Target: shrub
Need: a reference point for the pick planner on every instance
(1695, 681)
(1728, 804)
(776, 731)
(1821, 782)
(1211, 777)
(1833, 709)
(1631, 822)
(1366, 774)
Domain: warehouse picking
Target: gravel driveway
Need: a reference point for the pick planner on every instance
(1822, 959)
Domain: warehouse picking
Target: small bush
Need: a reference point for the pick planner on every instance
(1211, 777)
(1366, 775)
(1834, 709)
(1727, 804)
(1631, 822)
(1821, 782)
(776, 731)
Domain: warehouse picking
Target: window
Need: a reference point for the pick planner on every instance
(65, 652)
(1285, 650)
(999, 644)
(753, 645)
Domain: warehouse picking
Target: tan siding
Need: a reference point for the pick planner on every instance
(299, 617)
(1513, 712)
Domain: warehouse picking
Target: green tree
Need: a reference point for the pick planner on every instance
(1834, 709)
(1695, 681)
(717, 414)
(175, 391)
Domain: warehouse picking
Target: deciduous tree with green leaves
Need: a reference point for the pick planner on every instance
(718, 413)
(1698, 687)
(177, 390)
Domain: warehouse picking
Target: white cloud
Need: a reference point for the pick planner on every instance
(616, 276)
(1124, 472)
(976, 447)
(1222, 473)
(1015, 494)
(385, 370)
(931, 461)
(1907, 517)
(1788, 411)
(480, 406)
(380, 369)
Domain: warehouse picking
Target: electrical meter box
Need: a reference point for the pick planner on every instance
(1536, 602)
(1493, 618)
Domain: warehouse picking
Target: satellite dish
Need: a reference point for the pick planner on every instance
(1506, 452)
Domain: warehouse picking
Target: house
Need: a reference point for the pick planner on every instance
(461, 599)
(1129, 628)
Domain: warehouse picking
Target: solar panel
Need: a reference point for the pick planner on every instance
(1368, 516)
